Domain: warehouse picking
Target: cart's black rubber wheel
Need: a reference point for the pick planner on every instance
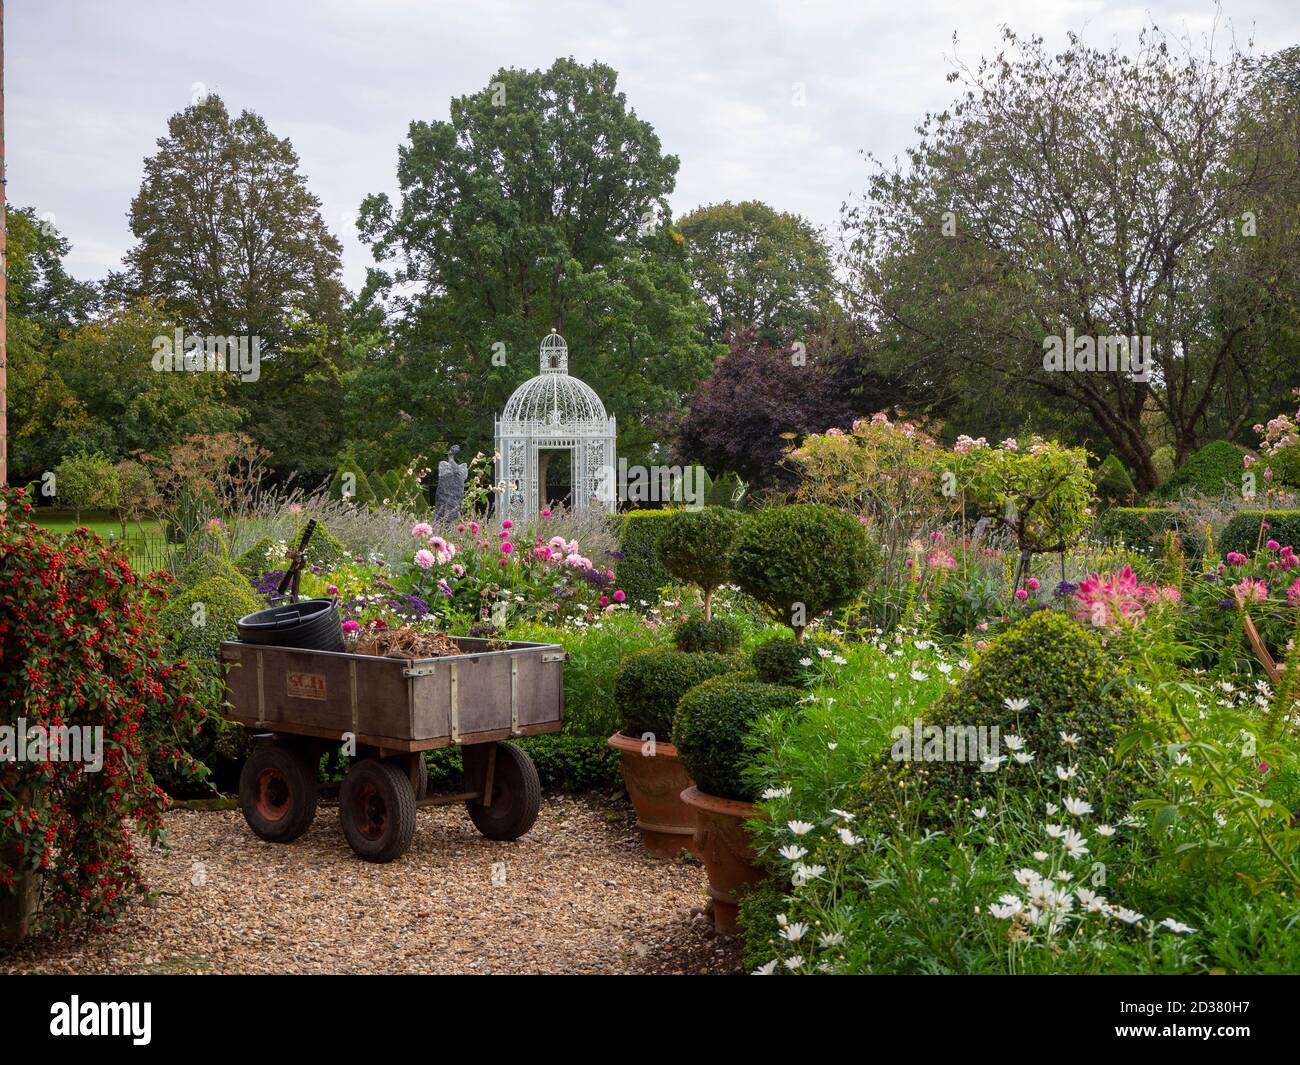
(418, 772)
(277, 792)
(377, 808)
(516, 796)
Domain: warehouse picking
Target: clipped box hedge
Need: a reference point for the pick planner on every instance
(1137, 526)
(640, 572)
(1242, 533)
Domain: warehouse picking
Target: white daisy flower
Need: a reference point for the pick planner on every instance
(1126, 915)
(791, 853)
(766, 969)
(799, 828)
(1105, 830)
(1076, 846)
(1176, 926)
(1070, 739)
(1016, 705)
(1077, 807)
(1014, 742)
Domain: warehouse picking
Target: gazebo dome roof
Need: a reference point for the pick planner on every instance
(554, 400)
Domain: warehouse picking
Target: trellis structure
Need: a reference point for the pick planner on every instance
(554, 412)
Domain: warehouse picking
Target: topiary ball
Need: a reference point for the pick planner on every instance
(781, 660)
(204, 567)
(261, 558)
(649, 684)
(695, 546)
(324, 549)
(710, 729)
(802, 560)
(197, 633)
(1047, 680)
(719, 635)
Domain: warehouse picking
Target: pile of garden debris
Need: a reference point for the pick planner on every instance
(405, 642)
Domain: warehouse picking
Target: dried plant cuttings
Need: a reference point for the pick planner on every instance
(405, 642)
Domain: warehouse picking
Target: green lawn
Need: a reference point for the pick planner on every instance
(147, 547)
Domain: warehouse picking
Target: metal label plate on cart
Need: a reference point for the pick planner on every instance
(305, 685)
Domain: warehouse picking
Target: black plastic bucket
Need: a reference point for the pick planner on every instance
(313, 625)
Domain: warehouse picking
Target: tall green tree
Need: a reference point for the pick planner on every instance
(758, 268)
(1090, 191)
(539, 204)
(228, 234)
(231, 240)
(114, 400)
(45, 304)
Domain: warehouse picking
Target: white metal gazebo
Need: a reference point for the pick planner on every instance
(550, 413)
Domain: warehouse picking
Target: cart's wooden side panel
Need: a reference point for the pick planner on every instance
(330, 694)
(539, 690)
(487, 693)
(431, 705)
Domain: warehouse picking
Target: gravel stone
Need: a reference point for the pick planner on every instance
(576, 894)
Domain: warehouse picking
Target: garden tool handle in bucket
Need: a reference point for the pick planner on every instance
(295, 566)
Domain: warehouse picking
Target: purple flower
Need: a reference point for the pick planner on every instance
(1065, 588)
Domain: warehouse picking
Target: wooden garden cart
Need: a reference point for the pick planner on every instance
(386, 712)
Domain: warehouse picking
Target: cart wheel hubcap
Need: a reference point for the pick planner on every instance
(371, 811)
(272, 794)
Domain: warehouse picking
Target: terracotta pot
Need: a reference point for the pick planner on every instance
(723, 844)
(654, 784)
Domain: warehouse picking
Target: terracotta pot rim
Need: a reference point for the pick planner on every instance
(714, 804)
(632, 745)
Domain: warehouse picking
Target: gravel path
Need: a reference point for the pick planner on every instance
(577, 894)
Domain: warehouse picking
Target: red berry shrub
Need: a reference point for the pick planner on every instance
(79, 647)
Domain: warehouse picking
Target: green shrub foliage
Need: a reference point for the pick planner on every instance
(1244, 532)
(780, 660)
(259, 559)
(204, 567)
(568, 763)
(224, 601)
(1114, 485)
(640, 572)
(710, 730)
(1285, 464)
(719, 635)
(695, 546)
(1215, 468)
(650, 684)
(1069, 686)
(1141, 527)
(800, 561)
(756, 923)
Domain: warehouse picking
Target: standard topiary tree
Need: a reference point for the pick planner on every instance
(802, 560)
(1046, 680)
(649, 685)
(695, 546)
(710, 730)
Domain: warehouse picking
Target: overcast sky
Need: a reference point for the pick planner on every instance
(90, 85)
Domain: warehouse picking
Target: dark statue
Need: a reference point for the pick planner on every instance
(451, 485)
